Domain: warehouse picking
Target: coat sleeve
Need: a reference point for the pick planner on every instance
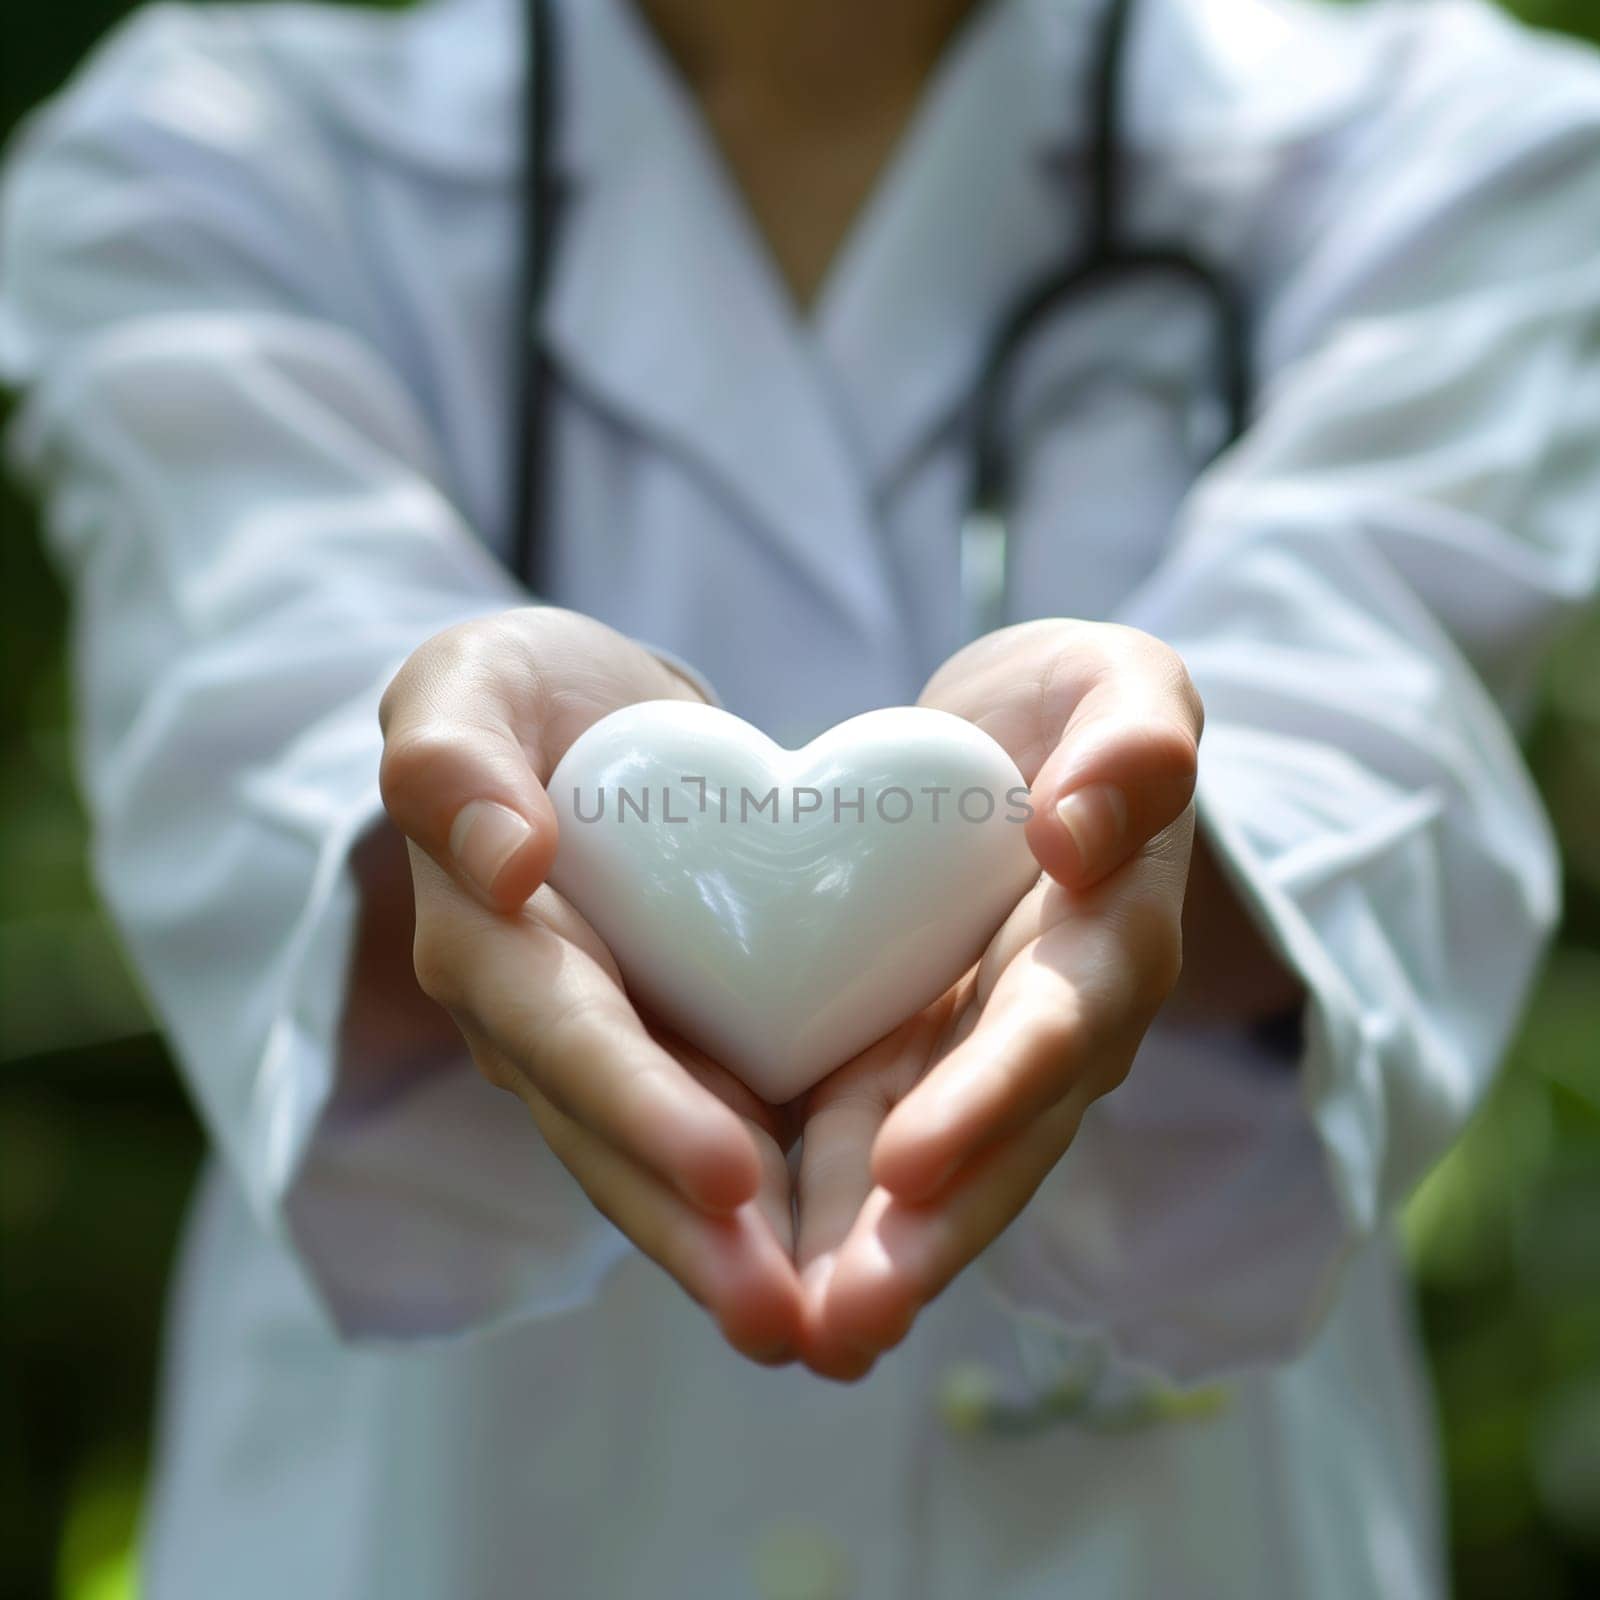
(1363, 590)
(249, 506)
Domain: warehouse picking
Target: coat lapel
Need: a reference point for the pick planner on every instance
(987, 195)
(667, 311)
(972, 209)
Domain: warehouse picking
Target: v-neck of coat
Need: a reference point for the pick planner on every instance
(668, 309)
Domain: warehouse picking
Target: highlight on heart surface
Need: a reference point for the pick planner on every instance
(782, 909)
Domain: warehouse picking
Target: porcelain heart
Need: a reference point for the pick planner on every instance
(784, 909)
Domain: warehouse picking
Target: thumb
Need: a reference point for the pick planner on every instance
(1124, 768)
(457, 780)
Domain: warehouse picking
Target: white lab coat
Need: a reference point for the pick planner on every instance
(256, 286)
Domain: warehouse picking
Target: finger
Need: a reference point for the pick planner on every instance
(1067, 991)
(1035, 1036)
(769, 1122)
(834, 1182)
(456, 777)
(843, 1116)
(899, 1257)
(835, 1174)
(1124, 767)
(561, 1027)
(475, 722)
(775, 1198)
(768, 1130)
(734, 1266)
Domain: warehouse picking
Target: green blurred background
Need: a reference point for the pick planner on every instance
(98, 1147)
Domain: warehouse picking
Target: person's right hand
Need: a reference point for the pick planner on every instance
(678, 1153)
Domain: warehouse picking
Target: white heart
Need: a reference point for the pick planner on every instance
(784, 935)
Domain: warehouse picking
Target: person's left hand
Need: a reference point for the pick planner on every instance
(918, 1153)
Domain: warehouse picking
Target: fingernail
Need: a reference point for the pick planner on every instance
(1097, 819)
(483, 838)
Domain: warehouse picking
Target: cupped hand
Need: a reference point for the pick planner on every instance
(919, 1153)
(684, 1159)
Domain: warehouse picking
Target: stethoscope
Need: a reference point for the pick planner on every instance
(1108, 257)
